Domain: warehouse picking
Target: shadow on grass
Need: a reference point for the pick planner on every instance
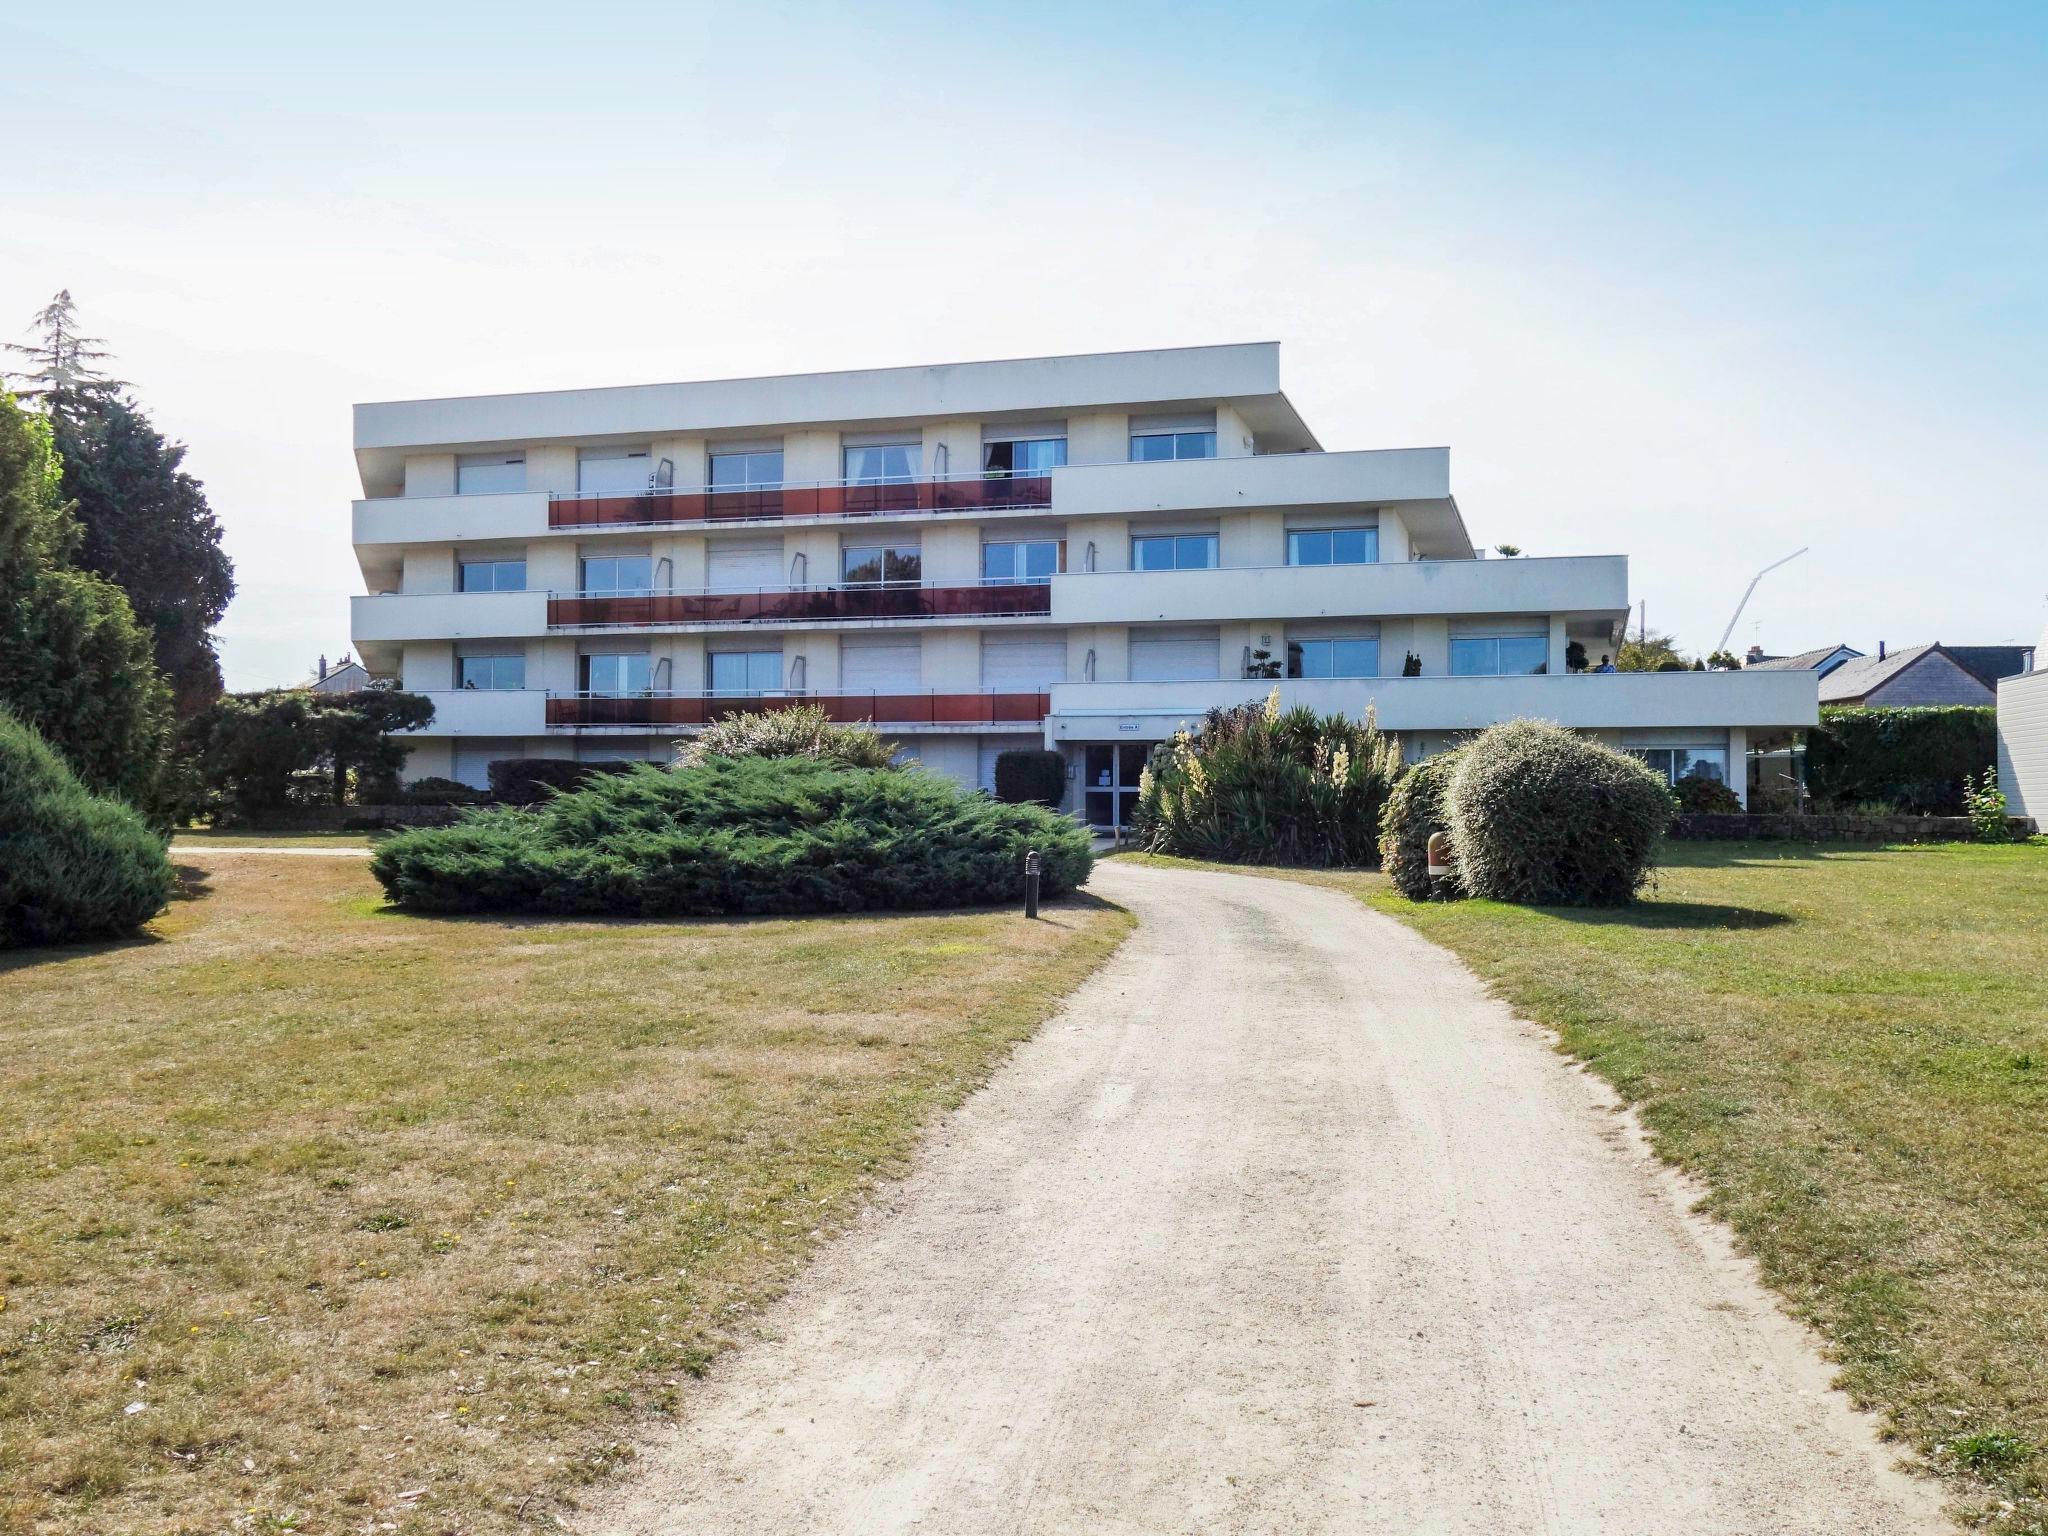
(189, 883)
(1049, 911)
(1670, 914)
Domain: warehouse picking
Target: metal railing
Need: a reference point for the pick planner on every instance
(656, 710)
(816, 498)
(787, 605)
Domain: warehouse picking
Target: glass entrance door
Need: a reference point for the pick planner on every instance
(1110, 782)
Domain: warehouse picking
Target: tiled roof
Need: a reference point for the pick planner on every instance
(1854, 679)
(1805, 661)
(1991, 662)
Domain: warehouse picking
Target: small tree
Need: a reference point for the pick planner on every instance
(1651, 653)
(249, 749)
(1723, 661)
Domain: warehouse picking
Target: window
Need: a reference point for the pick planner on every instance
(618, 471)
(1677, 763)
(478, 474)
(1150, 447)
(618, 575)
(614, 677)
(749, 469)
(885, 464)
(1334, 546)
(1342, 656)
(745, 671)
(1174, 552)
(1027, 456)
(1032, 562)
(1499, 655)
(490, 672)
(493, 576)
(873, 564)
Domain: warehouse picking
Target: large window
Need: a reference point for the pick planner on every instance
(1340, 656)
(1173, 552)
(1677, 763)
(1499, 655)
(614, 677)
(493, 575)
(744, 672)
(1150, 447)
(478, 474)
(1026, 456)
(490, 672)
(883, 464)
(747, 470)
(871, 565)
(618, 575)
(1032, 562)
(1333, 546)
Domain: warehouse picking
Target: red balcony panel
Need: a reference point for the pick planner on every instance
(662, 710)
(795, 605)
(965, 493)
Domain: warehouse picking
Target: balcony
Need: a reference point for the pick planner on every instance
(686, 710)
(1586, 701)
(400, 616)
(820, 498)
(797, 605)
(1565, 584)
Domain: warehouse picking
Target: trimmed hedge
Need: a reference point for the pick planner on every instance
(1413, 811)
(1544, 816)
(529, 780)
(434, 791)
(1031, 776)
(1698, 796)
(1915, 759)
(1257, 784)
(73, 865)
(737, 835)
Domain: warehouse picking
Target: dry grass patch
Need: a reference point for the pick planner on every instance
(357, 1204)
(1851, 1047)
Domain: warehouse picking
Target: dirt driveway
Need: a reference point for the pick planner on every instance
(1282, 1226)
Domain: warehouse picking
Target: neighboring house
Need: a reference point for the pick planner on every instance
(1080, 553)
(2023, 744)
(1920, 674)
(345, 676)
(1822, 661)
(1990, 663)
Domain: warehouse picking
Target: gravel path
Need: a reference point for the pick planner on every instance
(1281, 1226)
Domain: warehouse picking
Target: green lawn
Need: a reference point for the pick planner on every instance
(395, 1219)
(1850, 1046)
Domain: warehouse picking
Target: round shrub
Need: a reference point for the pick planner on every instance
(1706, 797)
(1414, 810)
(73, 865)
(1258, 784)
(1547, 817)
(737, 835)
(1031, 776)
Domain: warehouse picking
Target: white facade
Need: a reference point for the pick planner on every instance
(1081, 553)
(2023, 744)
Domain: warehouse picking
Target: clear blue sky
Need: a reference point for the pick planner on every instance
(1694, 283)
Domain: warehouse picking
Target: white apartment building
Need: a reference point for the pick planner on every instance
(1082, 553)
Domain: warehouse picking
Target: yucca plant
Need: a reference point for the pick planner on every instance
(1259, 784)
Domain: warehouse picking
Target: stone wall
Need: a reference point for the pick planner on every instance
(1769, 827)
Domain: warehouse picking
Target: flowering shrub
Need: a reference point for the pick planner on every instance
(1261, 785)
(1984, 802)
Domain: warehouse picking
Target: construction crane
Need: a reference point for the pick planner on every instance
(1750, 591)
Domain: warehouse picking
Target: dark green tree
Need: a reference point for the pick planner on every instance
(74, 663)
(149, 530)
(147, 527)
(251, 750)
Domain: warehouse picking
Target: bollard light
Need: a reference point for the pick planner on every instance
(1031, 883)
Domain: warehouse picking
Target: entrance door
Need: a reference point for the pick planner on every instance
(1110, 781)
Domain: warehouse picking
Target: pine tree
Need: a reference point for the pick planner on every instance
(63, 374)
(146, 525)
